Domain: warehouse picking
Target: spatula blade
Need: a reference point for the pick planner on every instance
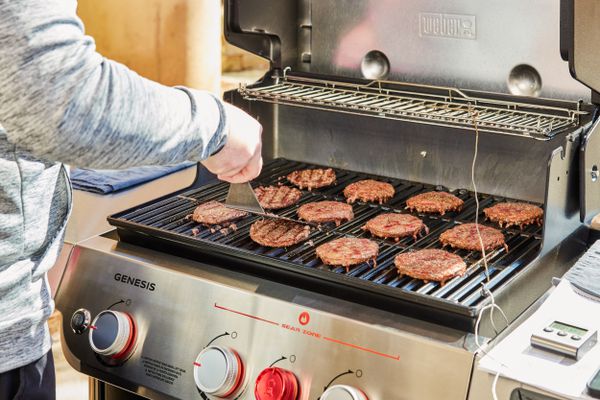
(241, 197)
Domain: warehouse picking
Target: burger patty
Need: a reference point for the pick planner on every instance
(278, 232)
(213, 213)
(434, 202)
(369, 190)
(276, 197)
(396, 226)
(509, 214)
(348, 251)
(430, 265)
(312, 178)
(326, 211)
(465, 237)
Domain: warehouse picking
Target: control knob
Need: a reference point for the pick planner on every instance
(276, 384)
(112, 334)
(218, 371)
(80, 321)
(343, 392)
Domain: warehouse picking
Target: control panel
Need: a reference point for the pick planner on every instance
(566, 339)
(176, 335)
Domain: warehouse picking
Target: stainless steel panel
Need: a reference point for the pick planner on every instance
(562, 194)
(514, 168)
(590, 174)
(469, 44)
(193, 303)
(510, 46)
(586, 36)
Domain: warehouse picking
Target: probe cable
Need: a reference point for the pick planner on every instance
(485, 290)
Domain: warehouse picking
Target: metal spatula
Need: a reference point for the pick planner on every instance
(241, 197)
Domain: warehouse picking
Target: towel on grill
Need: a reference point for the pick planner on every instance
(109, 181)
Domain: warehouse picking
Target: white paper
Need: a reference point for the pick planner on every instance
(515, 358)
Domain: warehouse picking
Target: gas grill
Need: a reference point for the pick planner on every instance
(373, 89)
(456, 303)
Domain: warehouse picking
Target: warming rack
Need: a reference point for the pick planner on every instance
(427, 104)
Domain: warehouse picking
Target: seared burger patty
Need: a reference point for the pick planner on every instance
(326, 211)
(430, 265)
(396, 226)
(465, 237)
(434, 202)
(369, 190)
(214, 213)
(509, 214)
(276, 197)
(312, 178)
(278, 232)
(348, 251)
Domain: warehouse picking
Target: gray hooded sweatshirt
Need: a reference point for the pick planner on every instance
(61, 102)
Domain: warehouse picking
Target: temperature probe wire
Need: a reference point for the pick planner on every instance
(474, 116)
(485, 289)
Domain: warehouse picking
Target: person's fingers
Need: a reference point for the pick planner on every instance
(252, 170)
(225, 163)
(240, 159)
(232, 179)
(248, 172)
(237, 178)
(245, 175)
(231, 171)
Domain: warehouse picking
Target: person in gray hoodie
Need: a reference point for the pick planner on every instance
(62, 102)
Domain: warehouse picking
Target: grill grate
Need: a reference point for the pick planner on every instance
(442, 106)
(166, 219)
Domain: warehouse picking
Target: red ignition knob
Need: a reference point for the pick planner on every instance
(276, 384)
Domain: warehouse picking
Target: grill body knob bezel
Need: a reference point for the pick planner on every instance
(120, 334)
(231, 371)
(343, 392)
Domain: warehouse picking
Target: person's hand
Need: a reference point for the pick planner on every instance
(240, 160)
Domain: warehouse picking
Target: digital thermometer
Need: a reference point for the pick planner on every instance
(566, 339)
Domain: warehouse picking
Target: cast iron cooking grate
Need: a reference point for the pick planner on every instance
(165, 220)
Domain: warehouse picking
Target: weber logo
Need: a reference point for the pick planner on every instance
(448, 25)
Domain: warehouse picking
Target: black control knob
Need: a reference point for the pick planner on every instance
(112, 334)
(80, 321)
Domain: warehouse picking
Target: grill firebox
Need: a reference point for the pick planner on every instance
(457, 302)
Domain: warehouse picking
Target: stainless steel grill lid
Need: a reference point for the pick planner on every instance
(505, 47)
(580, 35)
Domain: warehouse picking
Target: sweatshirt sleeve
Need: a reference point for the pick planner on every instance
(61, 101)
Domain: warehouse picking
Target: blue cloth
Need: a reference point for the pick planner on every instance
(110, 180)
